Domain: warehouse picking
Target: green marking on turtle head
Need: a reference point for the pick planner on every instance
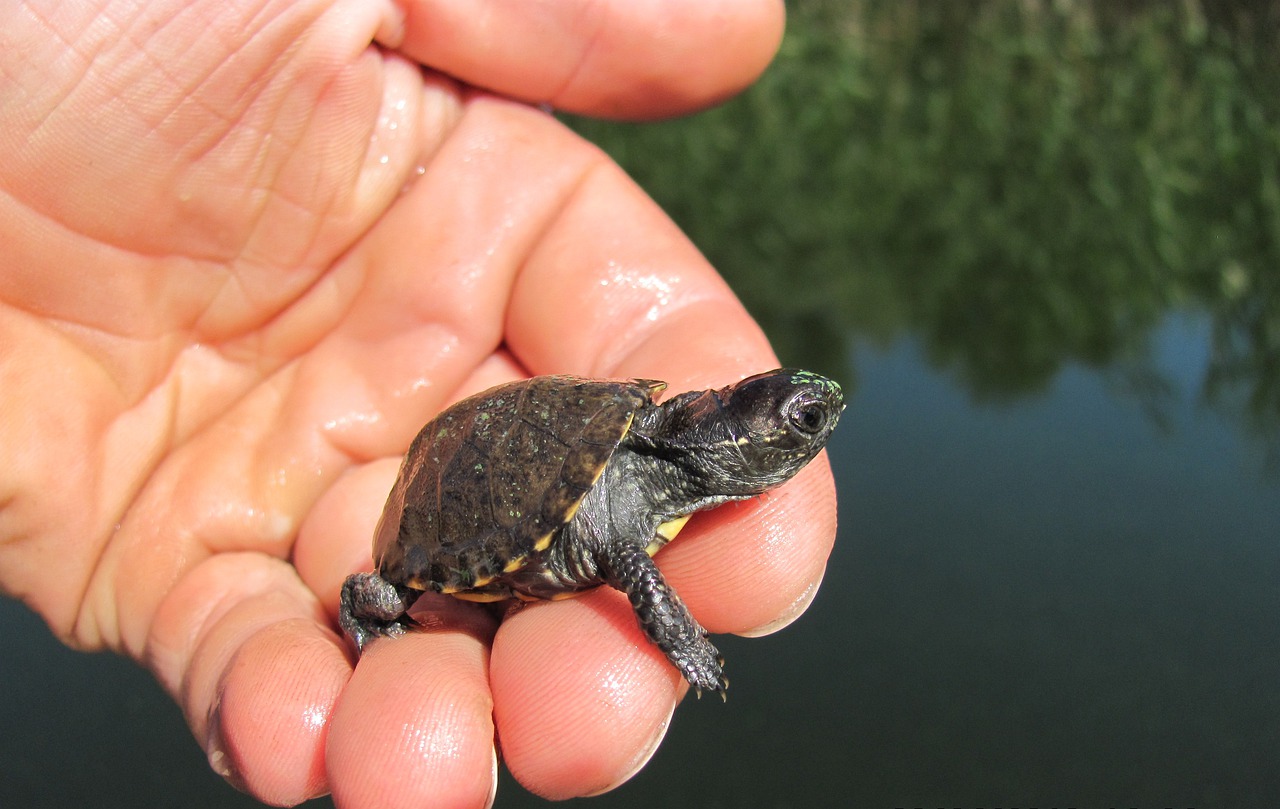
(802, 377)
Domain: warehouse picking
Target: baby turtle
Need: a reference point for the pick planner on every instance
(549, 486)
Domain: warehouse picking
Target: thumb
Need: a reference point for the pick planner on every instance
(615, 58)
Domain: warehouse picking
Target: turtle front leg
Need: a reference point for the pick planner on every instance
(665, 619)
(373, 607)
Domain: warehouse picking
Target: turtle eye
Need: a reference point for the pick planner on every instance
(810, 418)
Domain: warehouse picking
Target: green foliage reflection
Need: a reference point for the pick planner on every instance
(1020, 186)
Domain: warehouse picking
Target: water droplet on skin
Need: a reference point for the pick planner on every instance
(660, 290)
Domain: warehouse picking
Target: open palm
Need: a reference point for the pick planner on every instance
(249, 249)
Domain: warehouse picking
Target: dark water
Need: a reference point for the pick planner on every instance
(1044, 252)
(1055, 602)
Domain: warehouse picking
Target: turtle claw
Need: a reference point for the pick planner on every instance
(701, 663)
(664, 618)
(371, 608)
(369, 630)
(721, 688)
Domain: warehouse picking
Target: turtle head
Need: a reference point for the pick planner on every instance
(748, 437)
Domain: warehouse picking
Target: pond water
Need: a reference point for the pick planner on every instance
(1057, 579)
(1053, 602)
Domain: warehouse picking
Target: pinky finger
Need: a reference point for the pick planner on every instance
(246, 649)
(269, 724)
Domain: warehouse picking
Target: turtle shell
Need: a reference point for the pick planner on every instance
(488, 483)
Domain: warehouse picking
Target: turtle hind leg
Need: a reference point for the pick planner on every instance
(665, 619)
(373, 607)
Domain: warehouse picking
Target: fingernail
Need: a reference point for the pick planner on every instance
(794, 611)
(493, 784)
(216, 750)
(642, 758)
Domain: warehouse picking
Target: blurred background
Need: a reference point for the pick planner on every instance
(1039, 242)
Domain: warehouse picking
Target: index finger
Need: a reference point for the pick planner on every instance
(614, 289)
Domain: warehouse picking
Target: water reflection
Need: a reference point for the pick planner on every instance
(1019, 186)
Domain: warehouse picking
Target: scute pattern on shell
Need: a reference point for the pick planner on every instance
(493, 476)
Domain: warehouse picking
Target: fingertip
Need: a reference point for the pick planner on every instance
(268, 726)
(414, 726)
(581, 699)
(753, 567)
(246, 649)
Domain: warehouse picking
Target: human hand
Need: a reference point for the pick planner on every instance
(248, 254)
